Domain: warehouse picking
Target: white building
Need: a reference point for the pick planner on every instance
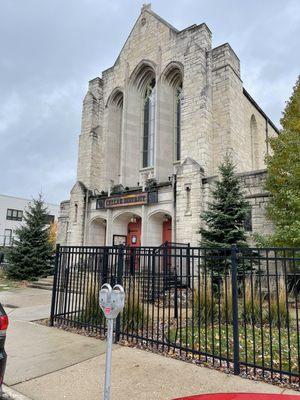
(12, 213)
(155, 127)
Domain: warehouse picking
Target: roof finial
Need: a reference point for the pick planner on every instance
(146, 6)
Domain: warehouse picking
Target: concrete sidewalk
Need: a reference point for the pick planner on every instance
(47, 363)
(137, 374)
(35, 350)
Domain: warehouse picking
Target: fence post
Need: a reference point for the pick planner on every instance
(188, 267)
(235, 311)
(175, 293)
(153, 277)
(132, 261)
(165, 266)
(120, 269)
(105, 266)
(57, 250)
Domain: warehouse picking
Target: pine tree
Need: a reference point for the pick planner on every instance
(224, 218)
(283, 180)
(30, 257)
(226, 213)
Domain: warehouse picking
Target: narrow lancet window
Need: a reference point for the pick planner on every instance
(177, 132)
(149, 125)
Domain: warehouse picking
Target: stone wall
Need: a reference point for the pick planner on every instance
(239, 125)
(221, 105)
(63, 223)
(77, 215)
(229, 133)
(253, 186)
(258, 128)
(189, 203)
(91, 149)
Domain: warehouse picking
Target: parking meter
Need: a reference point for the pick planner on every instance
(112, 302)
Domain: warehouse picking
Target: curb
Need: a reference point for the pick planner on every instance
(12, 394)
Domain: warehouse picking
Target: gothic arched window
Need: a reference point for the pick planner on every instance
(177, 119)
(149, 125)
(115, 119)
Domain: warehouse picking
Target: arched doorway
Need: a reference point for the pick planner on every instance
(134, 232)
(97, 232)
(129, 226)
(159, 228)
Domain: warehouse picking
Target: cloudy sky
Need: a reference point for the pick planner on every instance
(49, 49)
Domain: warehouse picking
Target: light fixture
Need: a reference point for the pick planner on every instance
(133, 219)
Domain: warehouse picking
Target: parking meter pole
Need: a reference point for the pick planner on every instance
(110, 329)
(112, 301)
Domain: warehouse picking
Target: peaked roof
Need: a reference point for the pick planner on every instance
(146, 8)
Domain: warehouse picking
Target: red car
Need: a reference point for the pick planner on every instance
(3, 356)
(241, 396)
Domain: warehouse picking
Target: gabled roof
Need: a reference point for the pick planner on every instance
(146, 8)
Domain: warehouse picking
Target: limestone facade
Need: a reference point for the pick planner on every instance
(158, 123)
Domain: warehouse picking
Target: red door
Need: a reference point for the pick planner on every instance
(167, 237)
(167, 231)
(133, 240)
(134, 233)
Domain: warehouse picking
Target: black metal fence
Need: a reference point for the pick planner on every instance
(232, 308)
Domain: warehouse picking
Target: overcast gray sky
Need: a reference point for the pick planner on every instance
(51, 48)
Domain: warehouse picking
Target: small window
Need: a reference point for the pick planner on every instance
(8, 232)
(7, 237)
(14, 215)
(248, 221)
(76, 212)
(188, 210)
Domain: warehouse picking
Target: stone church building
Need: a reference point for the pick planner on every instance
(155, 127)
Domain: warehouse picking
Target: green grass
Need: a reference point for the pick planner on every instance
(211, 339)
